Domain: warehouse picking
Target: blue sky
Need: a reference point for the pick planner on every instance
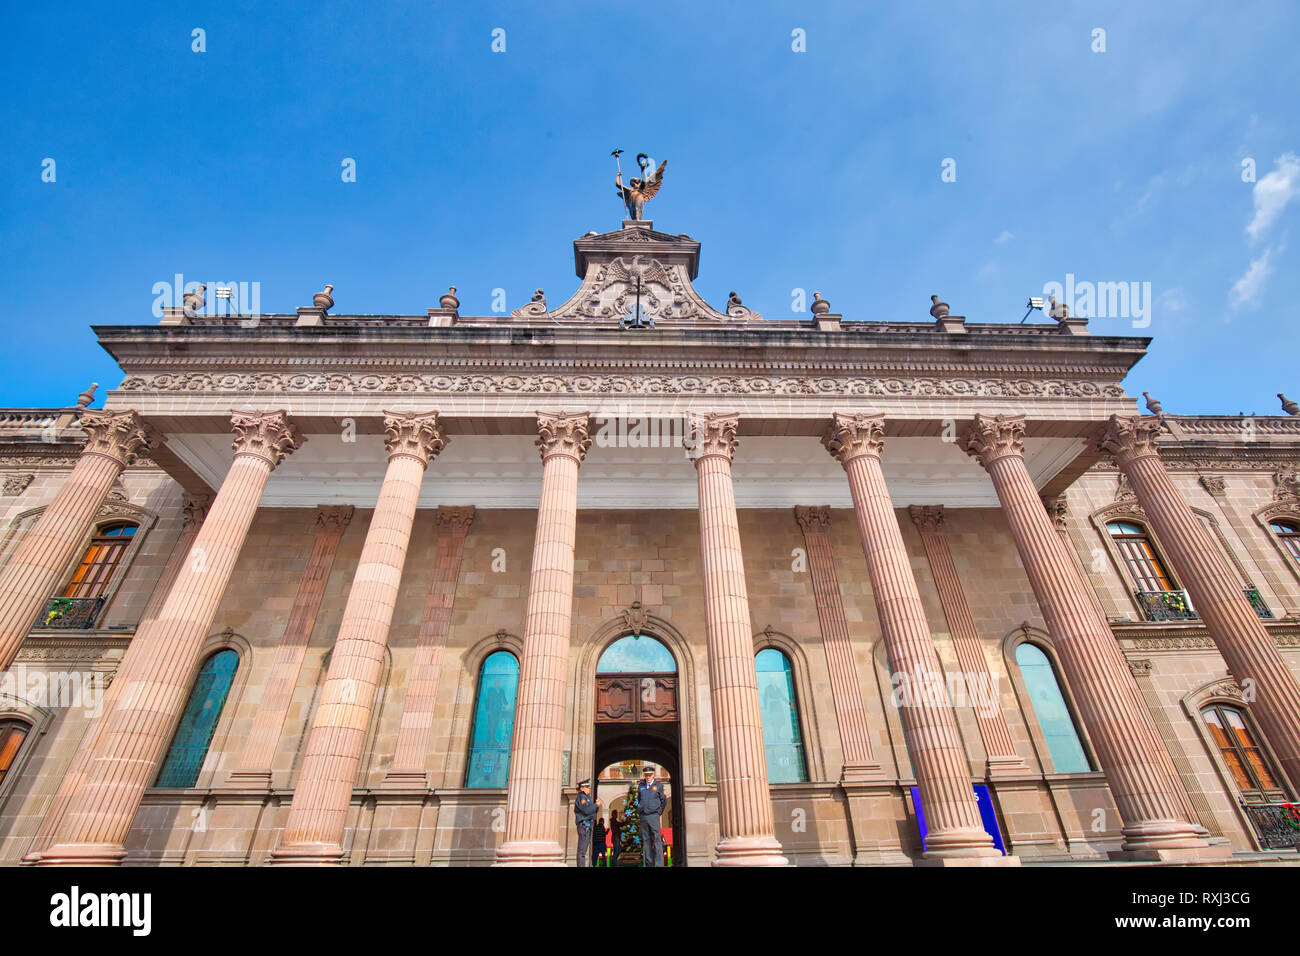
(814, 170)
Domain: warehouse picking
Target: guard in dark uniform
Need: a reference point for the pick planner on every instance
(585, 809)
(651, 801)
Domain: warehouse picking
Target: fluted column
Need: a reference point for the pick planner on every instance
(846, 692)
(412, 749)
(981, 687)
(256, 762)
(747, 833)
(533, 812)
(1141, 779)
(313, 833)
(1217, 594)
(43, 555)
(159, 663)
(938, 759)
(194, 508)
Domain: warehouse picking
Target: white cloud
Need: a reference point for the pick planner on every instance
(1172, 301)
(1272, 194)
(1004, 237)
(986, 271)
(1246, 290)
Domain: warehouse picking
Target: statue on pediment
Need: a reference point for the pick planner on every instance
(639, 190)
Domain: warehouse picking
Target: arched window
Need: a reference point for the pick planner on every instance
(782, 738)
(1139, 556)
(1288, 532)
(1250, 771)
(102, 557)
(636, 654)
(199, 721)
(494, 722)
(12, 735)
(1049, 707)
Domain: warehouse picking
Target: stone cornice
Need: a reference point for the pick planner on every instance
(1143, 636)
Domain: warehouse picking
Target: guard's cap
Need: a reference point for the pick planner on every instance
(647, 769)
(585, 783)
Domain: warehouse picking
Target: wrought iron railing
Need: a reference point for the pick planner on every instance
(67, 613)
(1257, 602)
(1277, 824)
(1166, 605)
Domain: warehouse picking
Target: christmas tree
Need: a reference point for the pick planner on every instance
(630, 836)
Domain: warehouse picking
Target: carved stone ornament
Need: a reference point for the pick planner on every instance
(454, 519)
(712, 434)
(1058, 510)
(194, 508)
(1286, 483)
(16, 484)
(636, 617)
(989, 439)
(927, 517)
(535, 307)
(268, 435)
(1123, 490)
(334, 517)
(851, 436)
(414, 436)
(1214, 484)
(1130, 437)
(1141, 667)
(116, 435)
(813, 520)
(563, 434)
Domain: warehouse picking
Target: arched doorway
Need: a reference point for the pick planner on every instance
(637, 718)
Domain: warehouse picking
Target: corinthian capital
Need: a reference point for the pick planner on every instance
(852, 436)
(813, 520)
(414, 436)
(194, 508)
(927, 517)
(116, 435)
(713, 433)
(455, 519)
(1129, 438)
(562, 434)
(266, 435)
(992, 438)
(334, 517)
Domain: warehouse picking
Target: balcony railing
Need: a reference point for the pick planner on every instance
(67, 613)
(1257, 602)
(1277, 824)
(1166, 605)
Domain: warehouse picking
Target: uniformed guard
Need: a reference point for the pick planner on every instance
(585, 809)
(651, 801)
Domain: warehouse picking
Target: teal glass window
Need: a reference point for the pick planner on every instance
(782, 738)
(199, 721)
(1049, 707)
(636, 654)
(494, 722)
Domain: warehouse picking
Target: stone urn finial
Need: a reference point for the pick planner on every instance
(939, 309)
(1288, 406)
(449, 301)
(323, 300)
(1153, 404)
(820, 306)
(194, 300)
(88, 396)
(1057, 310)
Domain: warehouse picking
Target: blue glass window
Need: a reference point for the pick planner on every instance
(494, 722)
(636, 654)
(1049, 707)
(781, 736)
(194, 735)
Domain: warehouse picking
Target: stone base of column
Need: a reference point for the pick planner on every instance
(967, 861)
(960, 844)
(530, 853)
(405, 780)
(306, 854)
(249, 780)
(1215, 854)
(1167, 841)
(750, 851)
(81, 854)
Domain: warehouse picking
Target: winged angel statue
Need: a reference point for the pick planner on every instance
(639, 191)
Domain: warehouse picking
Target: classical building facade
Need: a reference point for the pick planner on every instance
(358, 589)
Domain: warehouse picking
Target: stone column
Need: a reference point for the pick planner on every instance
(256, 763)
(745, 818)
(982, 689)
(1119, 726)
(956, 833)
(45, 552)
(313, 833)
(1216, 593)
(846, 692)
(160, 662)
(533, 812)
(412, 749)
(194, 508)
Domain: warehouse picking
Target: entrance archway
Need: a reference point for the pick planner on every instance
(637, 718)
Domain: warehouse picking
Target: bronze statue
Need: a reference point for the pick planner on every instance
(638, 191)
